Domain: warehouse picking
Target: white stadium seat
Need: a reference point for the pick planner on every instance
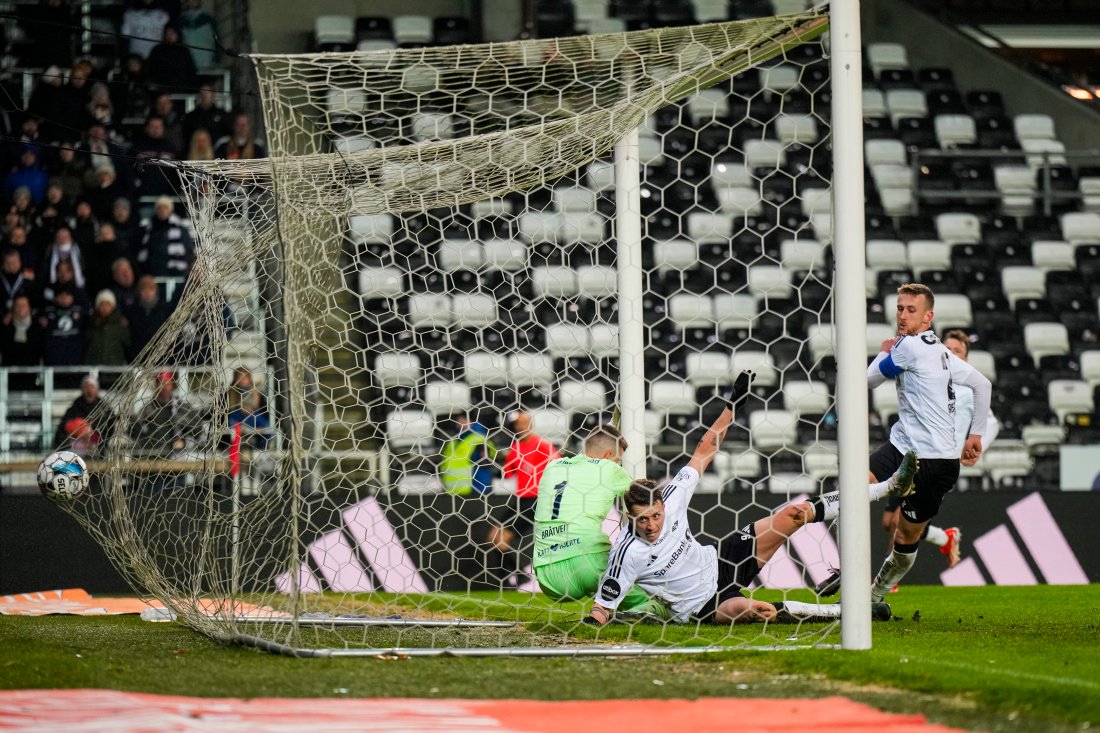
(760, 362)
(672, 396)
(887, 254)
(821, 462)
(905, 103)
(897, 201)
(567, 340)
(1081, 227)
(769, 429)
(581, 227)
(879, 332)
(601, 175)
(1005, 459)
(883, 56)
(691, 310)
(955, 130)
(892, 175)
(486, 368)
(1034, 127)
(953, 311)
(708, 105)
(1053, 255)
(582, 396)
(397, 369)
(790, 484)
(540, 226)
(412, 29)
(409, 429)
(984, 362)
(1016, 184)
(884, 400)
(432, 126)
(1090, 367)
(928, 254)
(1039, 152)
(744, 464)
(674, 255)
(959, 228)
(822, 340)
(885, 152)
(447, 398)
(551, 423)
(371, 228)
(1069, 396)
(770, 281)
(526, 369)
(334, 29)
(473, 310)
(708, 369)
(505, 254)
(457, 254)
(1046, 339)
(603, 340)
(778, 80)
(491, 207)
(801, 254)
(801, 129)
(803, 397)
(734, 310)
(554, 281)
(1023, 281)
(816, 200)
(429, 310)
(597, 281)
(874, 103)
(740, 201)
(727, 173)
(706, 227)
(768, 154)
(573, 198)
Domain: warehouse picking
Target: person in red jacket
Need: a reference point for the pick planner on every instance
(527, 458)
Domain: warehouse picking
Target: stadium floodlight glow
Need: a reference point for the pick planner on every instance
(433, 235)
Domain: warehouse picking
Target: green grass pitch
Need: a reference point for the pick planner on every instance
(989, 658)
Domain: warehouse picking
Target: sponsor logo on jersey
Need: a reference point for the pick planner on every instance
(610, 589)
(560, 529)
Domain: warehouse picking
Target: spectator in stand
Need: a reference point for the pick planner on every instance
(101, 108)
(130, 91)
(527, 458)
(104, 191)
(165, 108)
(127, 230)
(13, 282)
(164, 428)
(101, 255)
(241, 386)
(240, 144)
(122, 283)
(66, 281)
(69, 168)
(144, 23)
(206, 115)
(85, 226)
(103, 151)
(62, 325)
(17, 240)
(28, 174)
(52, 214)
(169, 64)
(72, 103)
(465, 467)
(63, 251)
(199, 33)
(108, 333)
(23, 208)
(155, 180)
(80, 409)
(201, 147)
(166, 249)
(255, 427)
(20, 335)
(147, 315)
(44, 105)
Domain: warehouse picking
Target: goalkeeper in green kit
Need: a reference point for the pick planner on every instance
(575, 495)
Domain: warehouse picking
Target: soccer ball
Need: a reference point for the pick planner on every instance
(63, 475)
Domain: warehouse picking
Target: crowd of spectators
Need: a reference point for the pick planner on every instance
(83, 278)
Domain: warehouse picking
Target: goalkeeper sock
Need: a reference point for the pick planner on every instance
(897, 564)
(879, 490)
(808, 610)
(935, 535)
(826, 507)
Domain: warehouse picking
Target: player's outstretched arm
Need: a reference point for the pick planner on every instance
(716, 433)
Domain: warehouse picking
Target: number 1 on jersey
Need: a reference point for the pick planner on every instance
(559, 490)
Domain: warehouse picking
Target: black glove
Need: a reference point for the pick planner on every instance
(740, 388)
(588, 620)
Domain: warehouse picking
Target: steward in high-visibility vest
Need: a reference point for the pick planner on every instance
(466, 460)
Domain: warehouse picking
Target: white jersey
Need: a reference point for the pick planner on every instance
(964, 418)
(926, 373)
(675, 569)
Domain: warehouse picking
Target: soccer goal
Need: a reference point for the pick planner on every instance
(577, 228)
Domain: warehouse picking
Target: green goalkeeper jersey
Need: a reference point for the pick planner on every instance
(575, 495)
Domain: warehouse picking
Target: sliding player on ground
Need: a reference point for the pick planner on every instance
(703, 583)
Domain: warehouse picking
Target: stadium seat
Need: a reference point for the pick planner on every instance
(928, 254)
(381, 282)
(429, 310)
(884, 152)
(412, 30)
(759, 362)
(587, 11)
(578, 227)
(955, 130)
(791, 128)
(1022, 282)
(432, 126)
(905, 103)
(567, 340)
(704, 227)
(897, 201)
(734, 310)
(460, 254)
(1006, 459)
(1089, 186)
(881, 56)
(891, 175)
(396, 369)
(334, 30)
(879, 332)
(409, 430)
(582, 396)
(778, 80)
(447, 397)
(708, 369)
(473, 310)
(983, 361)
(1090, 367)
(788, 7)
(816, 200)
(526, 369)
(484, 368)
(710, 11)
(573, 198)
(1016, 183)
(874, 103)
(554, 281)
(708, 105)
(886, 254)
(1034, 127)
(603, 340)
(1070, 396)
(551, 423)
(769, 429)
(369, 228)
(597, 282)
(672, 396)
(740, 201)
(1045, 339)
(1081, 227)
(1053, 255)
(504, 254)
(884, 401)
(770, 281)
(674, 255)
(541, 226)
(953, 311)
(801, 254)
(821, 338)
(691, 310)
(802, 397)
(1040, 152)
(959, 228)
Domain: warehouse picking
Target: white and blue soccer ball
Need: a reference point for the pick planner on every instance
(63, 476)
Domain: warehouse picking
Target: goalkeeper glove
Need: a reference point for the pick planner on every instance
(740, 389)
(590, 621)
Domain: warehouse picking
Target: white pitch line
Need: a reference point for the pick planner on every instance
(1012, 673)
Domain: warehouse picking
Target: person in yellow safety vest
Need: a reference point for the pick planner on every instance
(466, 460)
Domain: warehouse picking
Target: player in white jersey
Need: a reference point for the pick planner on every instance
(659, 554)
(927, 375)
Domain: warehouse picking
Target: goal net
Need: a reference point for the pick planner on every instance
(432, 246)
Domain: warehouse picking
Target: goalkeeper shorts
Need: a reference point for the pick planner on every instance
(577, 578)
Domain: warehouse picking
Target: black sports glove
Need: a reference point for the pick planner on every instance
(588, 620)
(740, 388)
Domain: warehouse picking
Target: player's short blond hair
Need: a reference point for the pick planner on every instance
(918, 289)
(605, 437)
